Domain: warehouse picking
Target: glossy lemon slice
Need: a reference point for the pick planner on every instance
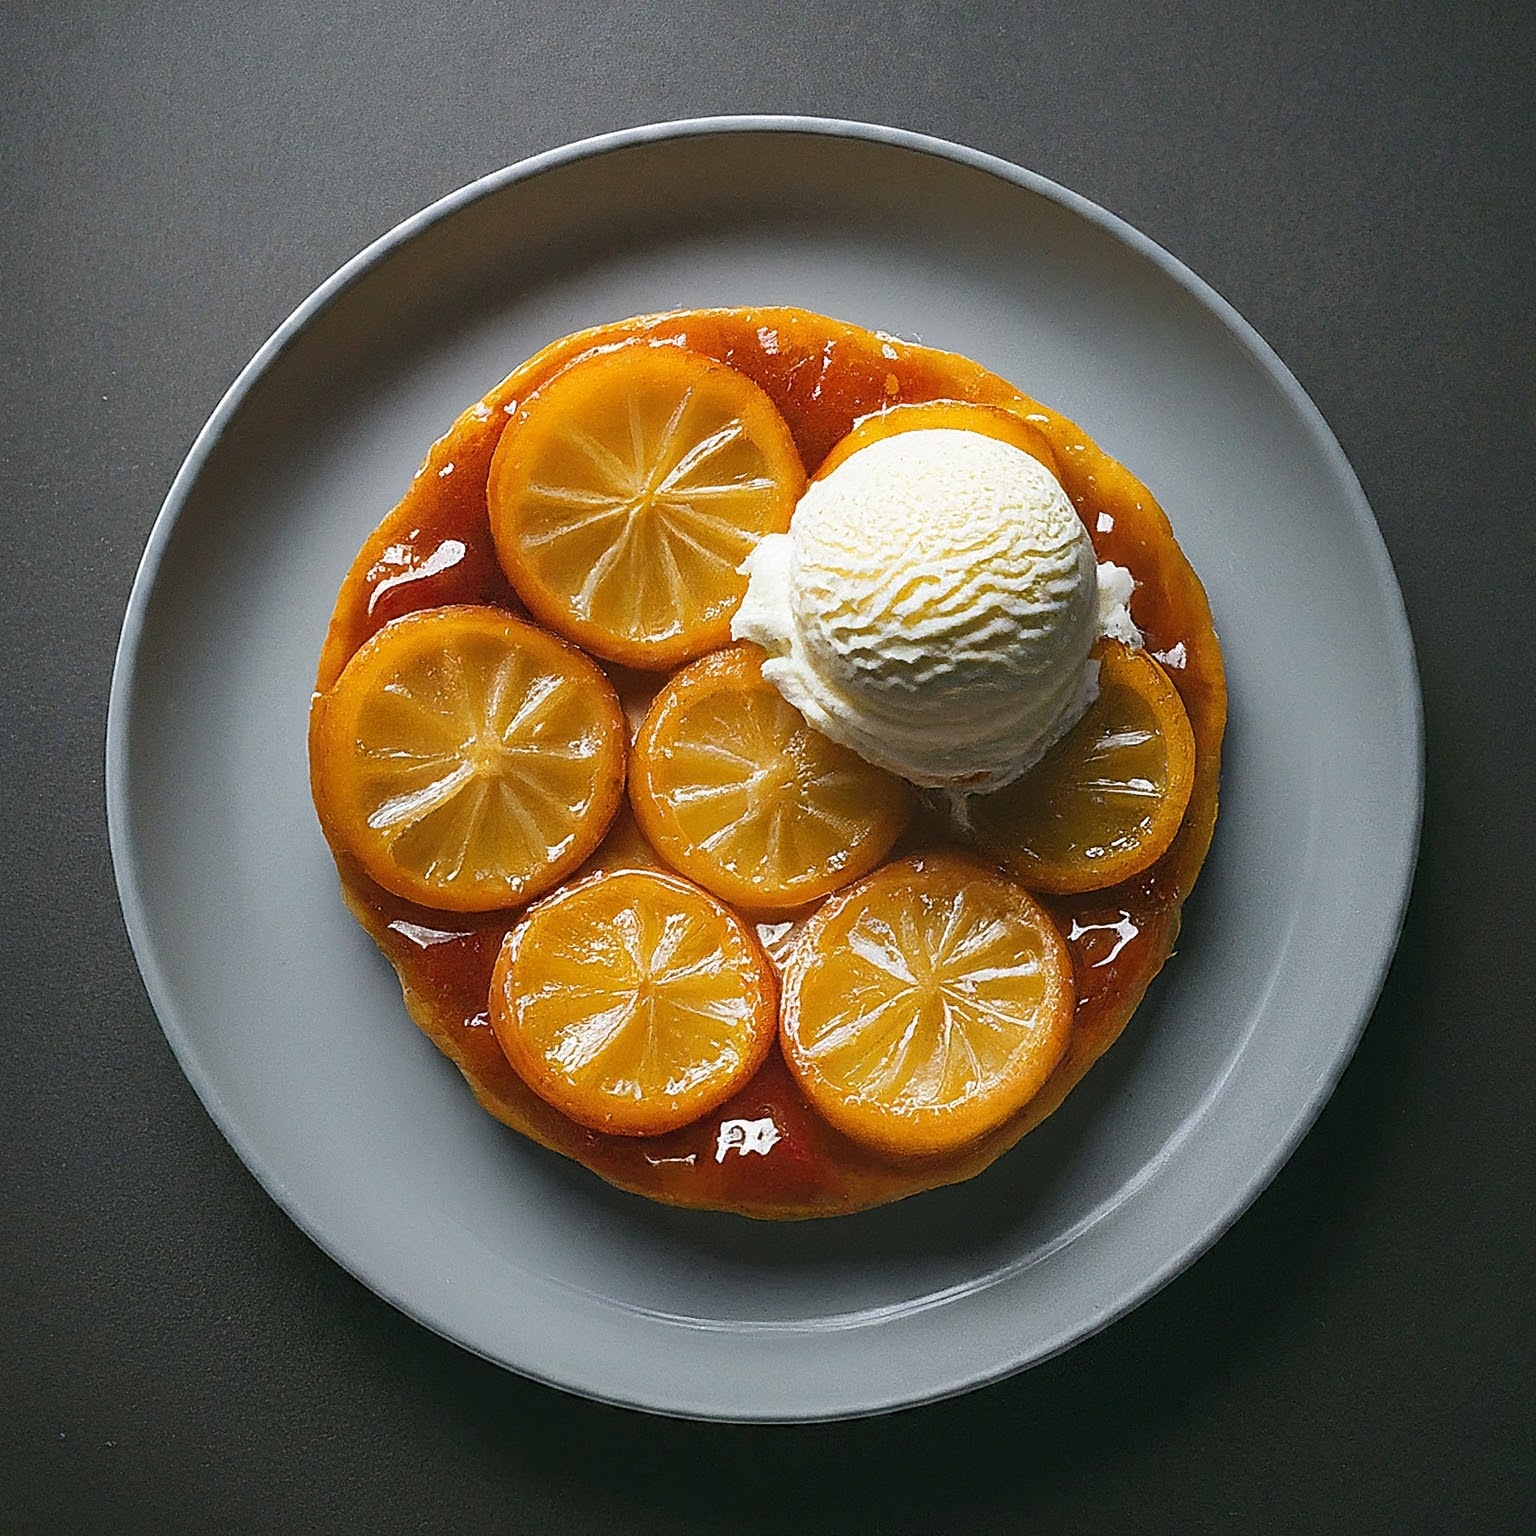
(633, 1002)
(926, 1004)
(628, 489)
(1107, 801)
(952, 415)
(736, 791)
(467, 760)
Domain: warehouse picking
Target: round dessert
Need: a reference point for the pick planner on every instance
(924, 761)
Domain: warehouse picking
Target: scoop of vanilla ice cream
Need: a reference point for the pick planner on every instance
(932, 607)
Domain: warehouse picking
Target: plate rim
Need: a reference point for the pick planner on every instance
(119, 721)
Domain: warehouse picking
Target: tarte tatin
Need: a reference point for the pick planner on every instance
(660, 924)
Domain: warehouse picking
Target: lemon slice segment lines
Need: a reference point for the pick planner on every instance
(626, 492)
(467, 760)
(633, 1002)
(926, 1004)
(1107, 801)
(736, 791)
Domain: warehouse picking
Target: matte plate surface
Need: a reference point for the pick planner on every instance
(290, 1025)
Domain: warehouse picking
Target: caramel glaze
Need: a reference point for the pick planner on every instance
(435, 547)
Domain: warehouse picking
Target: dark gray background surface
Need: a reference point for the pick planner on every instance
(1356, 1355)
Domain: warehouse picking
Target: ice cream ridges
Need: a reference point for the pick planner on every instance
(933, 606)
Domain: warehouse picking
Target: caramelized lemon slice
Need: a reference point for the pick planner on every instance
(926, 1004)
(633, 1002)
(736, 791)
(467, 760)
(626, 492)
(1106, 801)
(951, 415)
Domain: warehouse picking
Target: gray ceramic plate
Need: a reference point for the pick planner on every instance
(290, 1026)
